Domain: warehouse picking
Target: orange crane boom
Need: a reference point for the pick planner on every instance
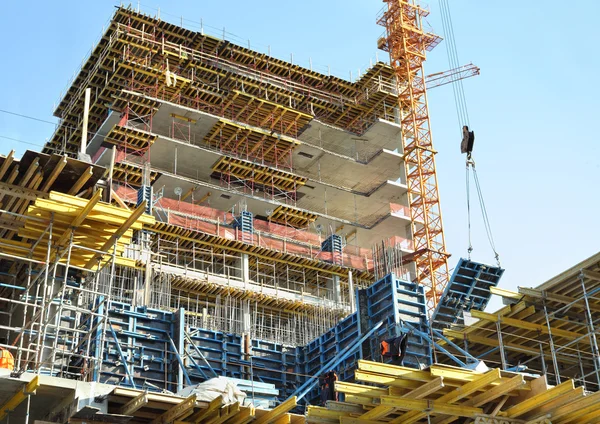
(407, 43)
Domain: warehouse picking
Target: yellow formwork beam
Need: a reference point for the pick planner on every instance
(246, 415)
(135, 215)
(322, 412)
(278, 411)
(424, 390)
(359, 389)
(104, 208)
(213, 406)
(539, 400)
(78, 220)
(394, 371)
(569, 414)
(512, 322)
(480, 382)
(500, 390)
(424, 407)
(134, 404)
(176, 411)
(19, 397)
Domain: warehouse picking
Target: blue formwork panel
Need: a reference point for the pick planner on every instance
(277, 364)
(142, 344)
(469, 288)
(395, 302)
(222, 351)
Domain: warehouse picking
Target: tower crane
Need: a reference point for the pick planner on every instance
(407, 43)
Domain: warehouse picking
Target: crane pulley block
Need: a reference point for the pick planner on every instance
(468, 139)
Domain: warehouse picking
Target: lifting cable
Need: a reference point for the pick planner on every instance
(468, 137)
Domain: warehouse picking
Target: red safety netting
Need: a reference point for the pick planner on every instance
(267, 234)
(401, 210)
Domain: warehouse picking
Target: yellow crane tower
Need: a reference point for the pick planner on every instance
(407, 43)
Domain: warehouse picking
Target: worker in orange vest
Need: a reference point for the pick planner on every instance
(6, 359)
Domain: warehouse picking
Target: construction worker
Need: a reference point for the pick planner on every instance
(6, 358)
(77, 366)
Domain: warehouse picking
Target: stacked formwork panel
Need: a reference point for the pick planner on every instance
(400, 305)
(136, 349)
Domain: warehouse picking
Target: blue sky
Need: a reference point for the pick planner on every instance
(533, 107)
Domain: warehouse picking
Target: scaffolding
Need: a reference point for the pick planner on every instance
(220, 78)
(550, 329)
(62, 274)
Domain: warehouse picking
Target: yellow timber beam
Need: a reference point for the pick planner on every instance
(507, 294)
(539, 400)
(553, 297)
(480, 382)
(83, 178)
(512, 322)
(244, 417)
(394, 371)
(212, 408)
(424, 407)
(176, 411)
(424, 390)
(19, 397)
(277, 412)
(134, 404)
(137, 213)
(54, 174)
(87, 209)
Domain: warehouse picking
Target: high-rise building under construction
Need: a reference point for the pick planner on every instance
(203, 210)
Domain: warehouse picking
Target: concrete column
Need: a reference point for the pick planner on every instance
(245, 266)
(246, 317)
(336, 289)
(83, 156)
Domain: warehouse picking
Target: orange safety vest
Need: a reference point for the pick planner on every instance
(6, 359)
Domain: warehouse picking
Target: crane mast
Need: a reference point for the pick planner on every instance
(407, 43)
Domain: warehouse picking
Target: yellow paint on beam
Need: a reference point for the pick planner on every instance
(539, 400)
(428, 406)
(526, 325)
(138, 212)
(54, 174)
(276, 412)
(19, 397)
(176, 411)
(83, 178)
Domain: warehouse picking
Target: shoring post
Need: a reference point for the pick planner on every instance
(544, 370)
(581, 370)
(27, 296)
(550, 338)
(500, 344)
(60, 306)
(591, 329)
(84, 129)
(43, 297)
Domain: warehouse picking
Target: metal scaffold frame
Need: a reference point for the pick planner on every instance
(60, 295)
(550, 330)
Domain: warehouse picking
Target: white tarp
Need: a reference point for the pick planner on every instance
(213, 388)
